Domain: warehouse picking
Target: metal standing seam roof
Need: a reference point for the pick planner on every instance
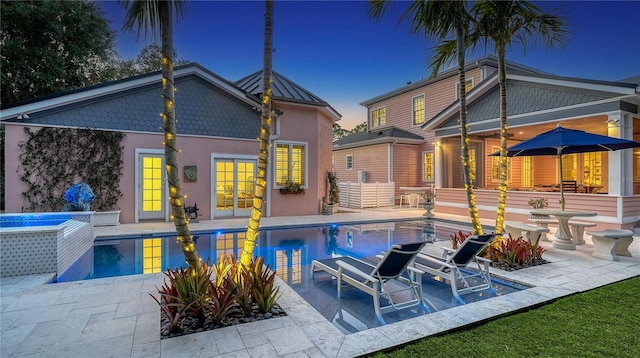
(282, 89)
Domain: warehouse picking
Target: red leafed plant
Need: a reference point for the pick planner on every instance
(458, 238)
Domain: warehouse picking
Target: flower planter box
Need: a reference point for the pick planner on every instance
(287, 191)
(106, 218)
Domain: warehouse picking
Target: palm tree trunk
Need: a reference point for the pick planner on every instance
(502, 189)
(464, 136)
(263, 157)
(170, 150)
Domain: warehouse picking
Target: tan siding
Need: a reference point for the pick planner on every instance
(438, 96)
(372, 159)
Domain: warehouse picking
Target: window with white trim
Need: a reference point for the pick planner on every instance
(468, 86)
(418, 110)
(349, 161)
(427, 166)
(379, 117)
(290, 163)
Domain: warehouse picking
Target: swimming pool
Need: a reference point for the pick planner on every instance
(290, 252)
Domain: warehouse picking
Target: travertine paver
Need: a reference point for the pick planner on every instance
(116, 317)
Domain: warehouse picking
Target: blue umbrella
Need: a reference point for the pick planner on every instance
(561, 141)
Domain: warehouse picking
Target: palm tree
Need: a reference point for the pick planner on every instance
(440, 20)
(147, 16)
(503, 22)
(263, 157)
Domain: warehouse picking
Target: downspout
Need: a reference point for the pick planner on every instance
(269, 167)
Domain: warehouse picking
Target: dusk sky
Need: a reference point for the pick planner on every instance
(336, 51)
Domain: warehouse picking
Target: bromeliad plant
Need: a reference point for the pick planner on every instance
(515, 253)
(510, 253)
(215, 293)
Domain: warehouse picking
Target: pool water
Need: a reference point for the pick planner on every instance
(290, 252)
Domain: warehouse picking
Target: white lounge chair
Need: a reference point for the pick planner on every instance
(374, 279)
(453, 264)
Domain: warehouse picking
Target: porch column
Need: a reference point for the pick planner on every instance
(620, 125)
(437, 164)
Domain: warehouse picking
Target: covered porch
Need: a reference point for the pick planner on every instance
(606, 181)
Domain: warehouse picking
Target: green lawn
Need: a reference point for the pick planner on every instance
(604, 322)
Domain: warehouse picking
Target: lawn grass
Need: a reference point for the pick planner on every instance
(599, 323)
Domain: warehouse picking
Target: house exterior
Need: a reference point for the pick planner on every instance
(537, 102)
(218, 130)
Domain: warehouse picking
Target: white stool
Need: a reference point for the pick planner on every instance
(407, 197)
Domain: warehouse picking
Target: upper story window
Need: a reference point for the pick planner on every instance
(418, 110)
(379, 117)
(349, 161)
(468, 85)
(291, 163)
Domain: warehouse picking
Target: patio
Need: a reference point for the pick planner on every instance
(116, 317)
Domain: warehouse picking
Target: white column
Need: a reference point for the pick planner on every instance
(438, 171)
(620, 125)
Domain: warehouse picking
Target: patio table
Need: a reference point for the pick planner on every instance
(564, 239)
(415, 192)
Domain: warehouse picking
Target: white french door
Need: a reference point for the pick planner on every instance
(233, 186)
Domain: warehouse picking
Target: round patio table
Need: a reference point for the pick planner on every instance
(564, 239)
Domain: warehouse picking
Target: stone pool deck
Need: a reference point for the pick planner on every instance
(116, 317)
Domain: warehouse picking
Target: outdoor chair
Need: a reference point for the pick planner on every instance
(452, 266)
(377, 280)
(570, 186)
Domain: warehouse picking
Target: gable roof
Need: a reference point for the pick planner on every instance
(487, 60)
(386, 135)
(282, 89)
(535, 98)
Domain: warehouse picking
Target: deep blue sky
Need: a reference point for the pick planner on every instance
(335, 50)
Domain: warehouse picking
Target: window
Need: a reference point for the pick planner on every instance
(349, 161)
(468, 85)
(418, 110)
(427, 166)
(291, 163)
(527, 172)
(495, 167)
(379, 117)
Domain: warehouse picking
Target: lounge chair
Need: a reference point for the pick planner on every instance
(374, 279)
(453, 264)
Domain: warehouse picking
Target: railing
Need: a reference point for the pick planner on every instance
(366, 195)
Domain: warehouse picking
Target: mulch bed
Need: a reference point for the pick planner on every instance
(192, 325)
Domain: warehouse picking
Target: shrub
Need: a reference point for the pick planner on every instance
(216, 292)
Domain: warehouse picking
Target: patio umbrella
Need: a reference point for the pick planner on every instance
(561, 141)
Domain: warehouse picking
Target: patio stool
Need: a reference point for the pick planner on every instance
(407, 197)
(544, 223)
(611, 243)
(577, 230)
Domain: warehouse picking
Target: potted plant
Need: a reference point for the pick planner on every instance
(334, 191)
(539, 203)
(429, 203)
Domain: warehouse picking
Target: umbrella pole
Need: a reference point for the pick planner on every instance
(561, 186)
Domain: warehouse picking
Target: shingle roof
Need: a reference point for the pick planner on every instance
(386, 135)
